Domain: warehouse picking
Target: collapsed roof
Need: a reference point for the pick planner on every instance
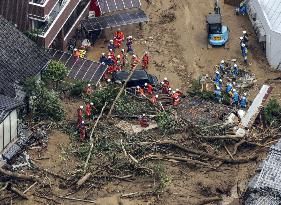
(20, 57)
(7, 104)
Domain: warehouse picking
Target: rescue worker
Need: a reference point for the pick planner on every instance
(235, 98)
(245, 53)
(118, 38)
(218, 95)
(153, 99)
(243, 101)
(123, 57)
(170, 92)
(166, 82)
(134, 62)
(103, 58)
(79, 115)
(243, 8)
(145, 61)
(112, 55)
(110, 61)
(176, 98)
(89, 110)
(218, 76)
(229, 87)
(143, 120)
(241, 42)
(88, 90)
(82, 131)
(165, 88)
(246, 38)
(149, 88)
(179, 92)
(111, 46)
(217, 9)
(129, 44)
(119, 63)
(235, 71)
(140, 91)
(222, 66)
(204, 83)
(76, 53)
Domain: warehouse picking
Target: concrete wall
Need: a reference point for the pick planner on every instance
(8, 129)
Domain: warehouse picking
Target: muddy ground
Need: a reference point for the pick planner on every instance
(176, 40)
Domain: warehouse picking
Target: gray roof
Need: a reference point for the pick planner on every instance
(20, 57)
(214, 18)
(272, 11)
(7, 104)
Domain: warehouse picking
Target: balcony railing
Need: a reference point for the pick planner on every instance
(58, 8)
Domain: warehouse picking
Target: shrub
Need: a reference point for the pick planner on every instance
(77, 89)
(272, 112)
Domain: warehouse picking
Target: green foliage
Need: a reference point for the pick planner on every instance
(31, 86)
(162, 177)
(272, 112)
(195, 87)
(165, 121)
(108, 94)
(55, 72)
(47, 105)
(77, 89)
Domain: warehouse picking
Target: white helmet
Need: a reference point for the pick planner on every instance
(244, 32)
(103, 54)
(75, 49)
(109, 57)
(243, 45)
(143, 114)
(108, 80)
(134, 56)
(130, 37)
(241, 38)
(118, 56)
(119, 29)
(174, 92)
(102, 63)
(222, 61)
(218, 88)
(162, 82)
(111, 41)
(89, 85)
(170, 89)
(165, 78)
(138, 86)
(91, 103)
(110, 50)
(123, 50)
(233, 83)
(217, 72)
(145, 52)
(81, 107)
(220, 80)
(156, 96)
(245, 94)
(82, 122)
(234, 90)
(235, 65)
(177, 89)
(145, 84)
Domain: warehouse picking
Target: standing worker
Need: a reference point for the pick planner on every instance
(149, 88)
(222, 67)
(123, 57)
(235, 98)
(103, 58)
(89, 110)
(218, 95)
(134, 62)
(235, 71)
(88, 90)
(245, 53)
(129, 44)
(246, 38)
(111, 45)
(145, 61)
(153, 99)
(139, 91)
(204, 83)
(82, 131)
(217, 76)
(176, 98)
(243, 101)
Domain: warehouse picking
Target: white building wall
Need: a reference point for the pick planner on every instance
(1, 136)
(14, 124)
(7, 135)
(275, 54)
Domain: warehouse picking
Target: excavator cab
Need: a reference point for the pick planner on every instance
(218, 34)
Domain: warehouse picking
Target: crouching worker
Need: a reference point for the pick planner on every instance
(82, 131)
(143, 120)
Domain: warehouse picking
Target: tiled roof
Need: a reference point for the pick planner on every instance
(7, 104)
(20, 57)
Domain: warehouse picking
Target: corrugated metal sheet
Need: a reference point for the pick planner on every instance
(272, 10)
